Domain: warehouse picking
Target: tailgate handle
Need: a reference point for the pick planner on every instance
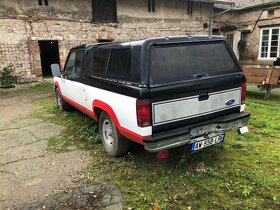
(203, 96)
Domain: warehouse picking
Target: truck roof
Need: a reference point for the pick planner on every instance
(150, 41)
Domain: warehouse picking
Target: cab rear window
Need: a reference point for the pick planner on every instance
(179, 62)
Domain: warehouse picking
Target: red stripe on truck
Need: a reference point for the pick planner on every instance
(125, 132)
(105, 107)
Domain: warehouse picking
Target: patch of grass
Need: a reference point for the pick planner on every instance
(244, 173)
(27, 88)
(83, 135)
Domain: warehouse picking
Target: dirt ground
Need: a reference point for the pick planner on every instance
(28, 171)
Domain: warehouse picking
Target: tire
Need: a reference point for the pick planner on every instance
(63, 105)
(114, 143)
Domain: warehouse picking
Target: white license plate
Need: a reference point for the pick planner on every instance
(207, 142)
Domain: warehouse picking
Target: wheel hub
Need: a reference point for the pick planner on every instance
(107, 133)
(58, 99)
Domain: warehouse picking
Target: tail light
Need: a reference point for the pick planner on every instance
(143, 109)
(243, 93)
(163, 154)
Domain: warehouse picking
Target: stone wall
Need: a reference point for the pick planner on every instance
(24, 22)
(19, 38)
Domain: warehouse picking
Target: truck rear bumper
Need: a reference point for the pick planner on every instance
(188, 134)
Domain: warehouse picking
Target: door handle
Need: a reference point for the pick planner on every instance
(203, 96)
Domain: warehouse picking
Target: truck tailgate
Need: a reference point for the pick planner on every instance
(195, 106)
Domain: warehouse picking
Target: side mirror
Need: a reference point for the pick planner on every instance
(55, 70)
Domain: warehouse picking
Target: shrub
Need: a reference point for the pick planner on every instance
(242, 45)
(7, 77)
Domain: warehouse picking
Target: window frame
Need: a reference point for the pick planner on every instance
(190, 5)
(103, 74)
(68, 57)
(74, 75)
(119, 76)
(269, 43)
(228, 48)
(100, 19)
(111, 75)
(151, 6)
(82, 63)
(43, 2)
(230, 42)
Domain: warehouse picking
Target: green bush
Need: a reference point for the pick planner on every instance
(6, 76)
(242, 45)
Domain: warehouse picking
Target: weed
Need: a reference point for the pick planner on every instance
(7, 77)
(246, 190)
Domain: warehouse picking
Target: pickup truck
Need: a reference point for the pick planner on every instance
(159, 92)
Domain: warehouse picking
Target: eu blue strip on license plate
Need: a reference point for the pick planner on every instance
(207, 142)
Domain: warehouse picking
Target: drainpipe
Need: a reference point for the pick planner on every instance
(212, 17)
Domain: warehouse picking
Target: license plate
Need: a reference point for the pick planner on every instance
(207, 142)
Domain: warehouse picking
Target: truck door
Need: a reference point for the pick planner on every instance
(67, 88)
(72, 72)
(79, 94)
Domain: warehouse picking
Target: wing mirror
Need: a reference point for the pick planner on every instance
(56, 70)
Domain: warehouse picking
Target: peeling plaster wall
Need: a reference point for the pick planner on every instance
(164, 9)
(70, 9)
(23, 23)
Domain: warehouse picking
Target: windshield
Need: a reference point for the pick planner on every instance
(180, 62)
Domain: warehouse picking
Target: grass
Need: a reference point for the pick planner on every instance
(244, 173)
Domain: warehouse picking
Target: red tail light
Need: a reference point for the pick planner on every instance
(143, 109)
(163, 154)
(243, 93)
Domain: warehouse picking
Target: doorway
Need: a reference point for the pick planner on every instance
(49, 54)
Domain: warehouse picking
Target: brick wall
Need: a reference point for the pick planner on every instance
(20, 48)
(250, 23)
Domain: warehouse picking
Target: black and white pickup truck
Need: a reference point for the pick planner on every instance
(159, 92)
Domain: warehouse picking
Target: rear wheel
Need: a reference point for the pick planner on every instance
(63, 105)
(114, 143)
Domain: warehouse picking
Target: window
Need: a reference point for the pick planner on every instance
(69, 67)
(79, 61)
(120, 62)
(270, 13)
(151, 5)
(104, 11)
(180, 62)
(229, 38)
(100, 61)
(190, 8)
(269, 42)
(74, 63)
(40, 2)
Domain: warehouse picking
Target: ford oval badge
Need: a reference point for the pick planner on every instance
(230, 102)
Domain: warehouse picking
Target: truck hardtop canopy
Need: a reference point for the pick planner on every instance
(151, 41)
(157, 61)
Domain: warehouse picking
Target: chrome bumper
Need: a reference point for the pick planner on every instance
(192, 134)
